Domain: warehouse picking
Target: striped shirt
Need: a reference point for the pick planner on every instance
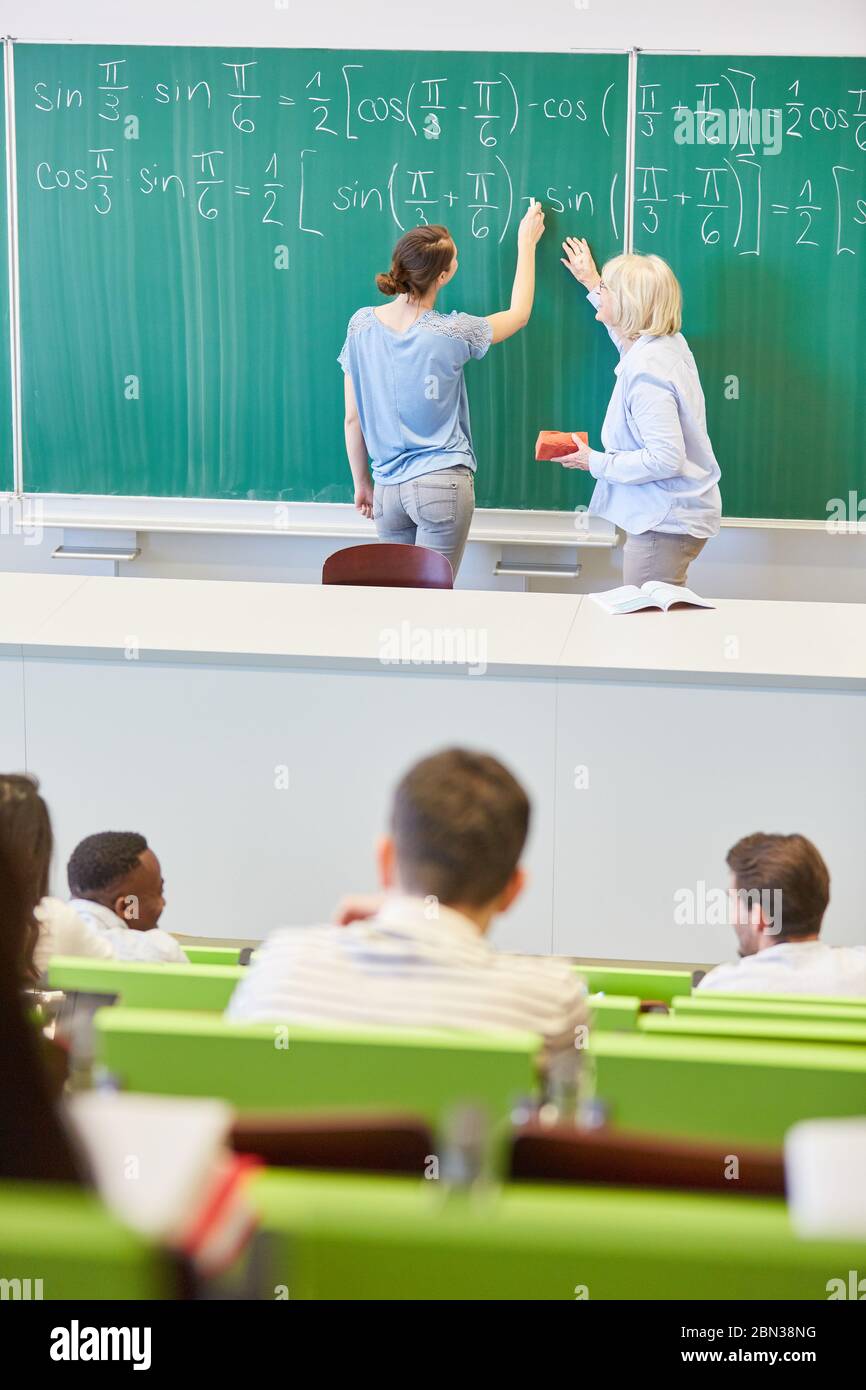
(406, 968)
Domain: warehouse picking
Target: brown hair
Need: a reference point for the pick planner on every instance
(459, 822)
(34, 1146)
(419, 258)
(26, 829)
(789, 865)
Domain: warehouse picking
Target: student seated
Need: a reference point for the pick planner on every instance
(449, 864)
(117, 888)
(192, 1197)
(780, 888)
(53, 927)
(34, 1146)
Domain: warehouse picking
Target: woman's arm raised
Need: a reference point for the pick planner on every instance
(510, 321)
(579, 260)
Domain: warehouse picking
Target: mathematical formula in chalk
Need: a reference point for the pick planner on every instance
(409, 196)
(739, 175)
(427, 104)
(331, 109)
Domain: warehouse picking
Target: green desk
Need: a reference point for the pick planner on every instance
(803, 1006)
(146, 986)
(273, 1067)
(759, 1026)
(724, 1088)
(66, 1238)
(212, 955)
(333, 1237)
(635, 980)
(613, 1011)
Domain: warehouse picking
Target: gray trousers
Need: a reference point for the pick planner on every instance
(658, 555)
(434, 510)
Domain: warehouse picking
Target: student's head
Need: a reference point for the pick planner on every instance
(640, 294)
(780, 889)
(459, 822)
(25, 828)
(423, 259)
(118, 870)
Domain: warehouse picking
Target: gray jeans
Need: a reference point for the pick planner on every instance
(658, 555)
(434, 510)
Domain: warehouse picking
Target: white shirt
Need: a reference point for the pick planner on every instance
(794, 967)
(63, 933)
(405, 970)
(126, 943)
(658, 471)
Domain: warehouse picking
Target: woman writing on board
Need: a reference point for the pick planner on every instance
(657, 476)
(406, 403)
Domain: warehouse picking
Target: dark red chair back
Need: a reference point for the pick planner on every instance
(561, 1153)
(388, 566)
(378, 1143)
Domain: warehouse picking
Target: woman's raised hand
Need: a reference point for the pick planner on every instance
(578, 259)
(510, 321)
(531, 227)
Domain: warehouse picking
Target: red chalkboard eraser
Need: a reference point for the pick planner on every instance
(554, 444)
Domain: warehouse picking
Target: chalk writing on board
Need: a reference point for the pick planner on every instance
(329, 109)
(740, 184)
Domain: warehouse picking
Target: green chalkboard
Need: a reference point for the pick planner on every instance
(6, 463)
(197, 226)
(764, 222)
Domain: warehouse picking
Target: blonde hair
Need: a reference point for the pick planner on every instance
(646, 295)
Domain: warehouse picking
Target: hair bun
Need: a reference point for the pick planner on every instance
(388, 283)
(420, 259)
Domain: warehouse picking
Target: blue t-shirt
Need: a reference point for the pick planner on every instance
(410, 390)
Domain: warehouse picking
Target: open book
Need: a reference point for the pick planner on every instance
(653, 594)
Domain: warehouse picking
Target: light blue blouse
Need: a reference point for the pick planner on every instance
(657, 471)
(410, 390)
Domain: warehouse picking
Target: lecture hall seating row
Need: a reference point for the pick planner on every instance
(740, 1088)
(328, 1236)
(208, 987)
(700, 1070)
(733, 1069)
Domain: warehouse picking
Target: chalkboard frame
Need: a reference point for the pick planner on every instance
(243, 517)
(117, 512)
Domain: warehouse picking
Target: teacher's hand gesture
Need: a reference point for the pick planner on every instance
(578, 259)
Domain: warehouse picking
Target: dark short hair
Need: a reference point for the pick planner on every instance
(790, 865)
(459, 822)
(103, 860)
